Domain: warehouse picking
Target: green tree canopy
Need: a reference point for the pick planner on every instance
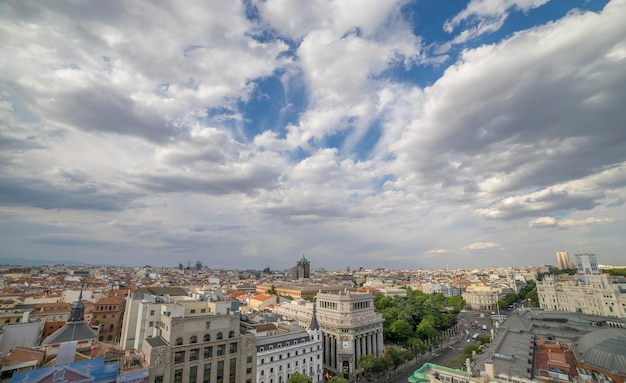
(401, 331)
(297, 377)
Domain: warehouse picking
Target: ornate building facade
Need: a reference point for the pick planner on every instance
(350, 328)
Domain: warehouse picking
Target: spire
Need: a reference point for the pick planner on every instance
(314, 325)
(77, 313)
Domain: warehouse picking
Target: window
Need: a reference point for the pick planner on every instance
(110, 337)
(248, 370)
(220, 350)
(231, 334)
(208, 352)
(158, 379)
(232, 348)
(193, 354)
(193, 311)
(207, 337)
(178, 376)
(179, 357)
(179, 341)
(203, 310)
(220, 371)
(219, 336)
(249, 359)
(193, 374)
(193, 339)
(232, 373)
(207, 325)
(206, 375)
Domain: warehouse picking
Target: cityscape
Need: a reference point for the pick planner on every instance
(306, 191)
(551, 323)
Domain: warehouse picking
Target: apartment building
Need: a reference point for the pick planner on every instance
(147, 307)
(108, 316)
(283, 349)
(197, 348)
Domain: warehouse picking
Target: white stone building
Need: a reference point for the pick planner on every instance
(350, 328)
(588, 294)
(283, 349)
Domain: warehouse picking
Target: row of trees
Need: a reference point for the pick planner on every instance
(297, 377)
(417, 318)
(528, 293)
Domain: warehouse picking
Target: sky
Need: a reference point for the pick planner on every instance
(372, 133)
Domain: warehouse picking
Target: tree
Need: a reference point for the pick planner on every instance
(417, 347)
(337, 379)
(401, 331)
(272, 291)
(533, 298)
(297, 377)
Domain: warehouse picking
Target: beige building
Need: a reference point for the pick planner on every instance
(196, 348)
(588, 294)
(350, 326)
(481, 297)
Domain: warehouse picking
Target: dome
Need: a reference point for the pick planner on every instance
(604, 349)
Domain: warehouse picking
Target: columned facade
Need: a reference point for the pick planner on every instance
(350, 326)
(351, 329)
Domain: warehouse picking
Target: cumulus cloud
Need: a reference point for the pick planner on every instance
(138, 124)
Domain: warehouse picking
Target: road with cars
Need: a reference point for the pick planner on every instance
(472, 322)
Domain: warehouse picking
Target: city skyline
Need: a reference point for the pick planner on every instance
(395, 134)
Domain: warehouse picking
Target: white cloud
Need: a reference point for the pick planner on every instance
(436, 252)
(543, 222)
(567, 223)
(484, 16)
(482, 246)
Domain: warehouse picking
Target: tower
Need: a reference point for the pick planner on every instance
(303, 268)
(563, 260)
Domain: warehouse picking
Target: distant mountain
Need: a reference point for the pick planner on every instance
(36, 262)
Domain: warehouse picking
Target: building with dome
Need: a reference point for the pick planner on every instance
(602, 353)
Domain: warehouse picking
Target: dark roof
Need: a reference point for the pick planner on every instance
(604, 349)
(156, 342)
(72, 331)
(314, 325)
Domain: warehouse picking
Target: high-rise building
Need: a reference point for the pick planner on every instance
(563, 260)
(587, 263)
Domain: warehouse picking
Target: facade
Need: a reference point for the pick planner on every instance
(350, 328)
(144, 309)
(482, 298)
(563, 261)
(108, 316)
(590, 294)
(194, 348)
(587, 263)
(283, 349)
